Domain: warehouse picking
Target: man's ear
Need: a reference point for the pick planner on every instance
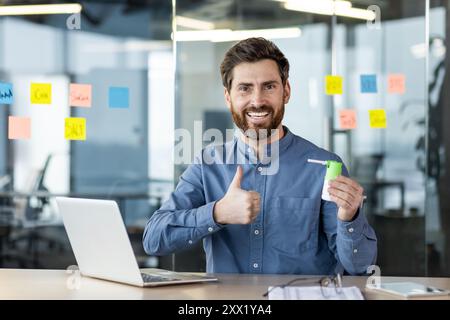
(227, 97)
(287, 92)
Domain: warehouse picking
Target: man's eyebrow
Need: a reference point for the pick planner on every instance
(248, 84)
(270, 82)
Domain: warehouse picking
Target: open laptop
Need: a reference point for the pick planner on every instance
(102, 248)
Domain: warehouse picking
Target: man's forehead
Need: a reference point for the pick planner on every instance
(261, 71)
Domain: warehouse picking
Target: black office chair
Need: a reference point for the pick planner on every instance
(31, 229)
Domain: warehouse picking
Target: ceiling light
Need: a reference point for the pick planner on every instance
(222, 35)
(68, 8)
(193, 23)
(329, 7)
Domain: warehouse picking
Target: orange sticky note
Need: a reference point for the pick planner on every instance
(75, 129)
(80, 95)
(396, 83)
(347, 119)
(41, 93)
(19, 127)
(377, 118)
(333, 85)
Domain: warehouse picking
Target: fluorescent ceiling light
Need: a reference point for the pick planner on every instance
(193, 23)
(68, 8)
(329, 7)
(221, 35)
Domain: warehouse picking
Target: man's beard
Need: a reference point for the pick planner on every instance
(258, 131)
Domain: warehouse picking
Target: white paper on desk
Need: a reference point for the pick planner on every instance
(315, 293)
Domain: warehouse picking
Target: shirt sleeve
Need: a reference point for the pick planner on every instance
(353, 243)
(183, 219)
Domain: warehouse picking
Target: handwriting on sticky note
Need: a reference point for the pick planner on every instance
(368, 83)
(347, 119)
(75, 129)
(377, 118)
(6, 93)
(119, 97)
(19, 127)
(41, 93)
(333, 85)
(396, 83)
(80, 95)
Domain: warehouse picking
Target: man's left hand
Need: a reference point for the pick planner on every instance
(347, 194)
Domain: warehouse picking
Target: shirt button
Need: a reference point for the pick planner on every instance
(249, 150)
(355, 250)
(210, 229)
(255, 265)
(190, 241)
(256, 231)
(259, 169)
(351, 230)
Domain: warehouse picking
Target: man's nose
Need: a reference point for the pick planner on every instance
(257, 98)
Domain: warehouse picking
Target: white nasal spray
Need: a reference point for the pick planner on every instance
(334, 169)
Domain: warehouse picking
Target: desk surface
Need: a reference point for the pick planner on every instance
(56, 284)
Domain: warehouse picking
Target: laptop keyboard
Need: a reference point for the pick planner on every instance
(155, 278)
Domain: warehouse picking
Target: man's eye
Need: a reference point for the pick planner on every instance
(243, 88)
(270, 87)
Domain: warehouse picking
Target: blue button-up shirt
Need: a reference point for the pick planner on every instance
(295, 232)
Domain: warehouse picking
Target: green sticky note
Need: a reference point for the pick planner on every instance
(334, 169)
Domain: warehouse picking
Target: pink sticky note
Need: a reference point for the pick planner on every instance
(347, 119)
(396, 83)
(80, 95)
(19, 128)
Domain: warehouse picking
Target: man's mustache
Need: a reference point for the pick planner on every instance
(259, 109)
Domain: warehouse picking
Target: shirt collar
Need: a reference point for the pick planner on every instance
(284, 143)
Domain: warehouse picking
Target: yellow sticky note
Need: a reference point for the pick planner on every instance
(377, 118)
(347, 119)
(41, 93)
(75, 129)
(396, 83)
(333, 85)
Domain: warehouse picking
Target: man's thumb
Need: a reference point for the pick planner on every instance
(236, 183)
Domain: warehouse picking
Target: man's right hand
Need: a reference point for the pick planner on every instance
(238, 206)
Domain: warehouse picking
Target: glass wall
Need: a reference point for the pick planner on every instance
(400, 52)
(109, 45)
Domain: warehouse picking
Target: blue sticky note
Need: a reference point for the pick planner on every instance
(119, 97)
(6, 93)
(368, 83)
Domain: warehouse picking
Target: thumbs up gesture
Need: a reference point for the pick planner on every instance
(238, 206)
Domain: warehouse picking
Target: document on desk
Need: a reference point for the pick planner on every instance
(315, 293)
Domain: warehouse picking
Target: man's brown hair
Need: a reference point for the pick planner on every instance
(252, 50)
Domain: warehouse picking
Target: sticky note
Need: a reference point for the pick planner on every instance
(19, 127)
(368, 83)
(75, 129)
(118, 97)
(41, 93)
(333, 85)
(377, 118)
(347, 119)
(396, 83)
(6, 93)
(80, 95)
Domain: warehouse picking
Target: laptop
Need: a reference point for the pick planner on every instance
(102, 248)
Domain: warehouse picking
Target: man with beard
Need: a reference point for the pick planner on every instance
(254, 222)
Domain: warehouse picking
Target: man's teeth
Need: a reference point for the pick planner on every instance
(257, 114)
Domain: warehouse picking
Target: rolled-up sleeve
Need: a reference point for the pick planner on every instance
(183, 219)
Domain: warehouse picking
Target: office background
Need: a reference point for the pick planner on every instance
(174, 82)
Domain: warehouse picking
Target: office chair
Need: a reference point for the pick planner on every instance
(32, 226)
(7, 223)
